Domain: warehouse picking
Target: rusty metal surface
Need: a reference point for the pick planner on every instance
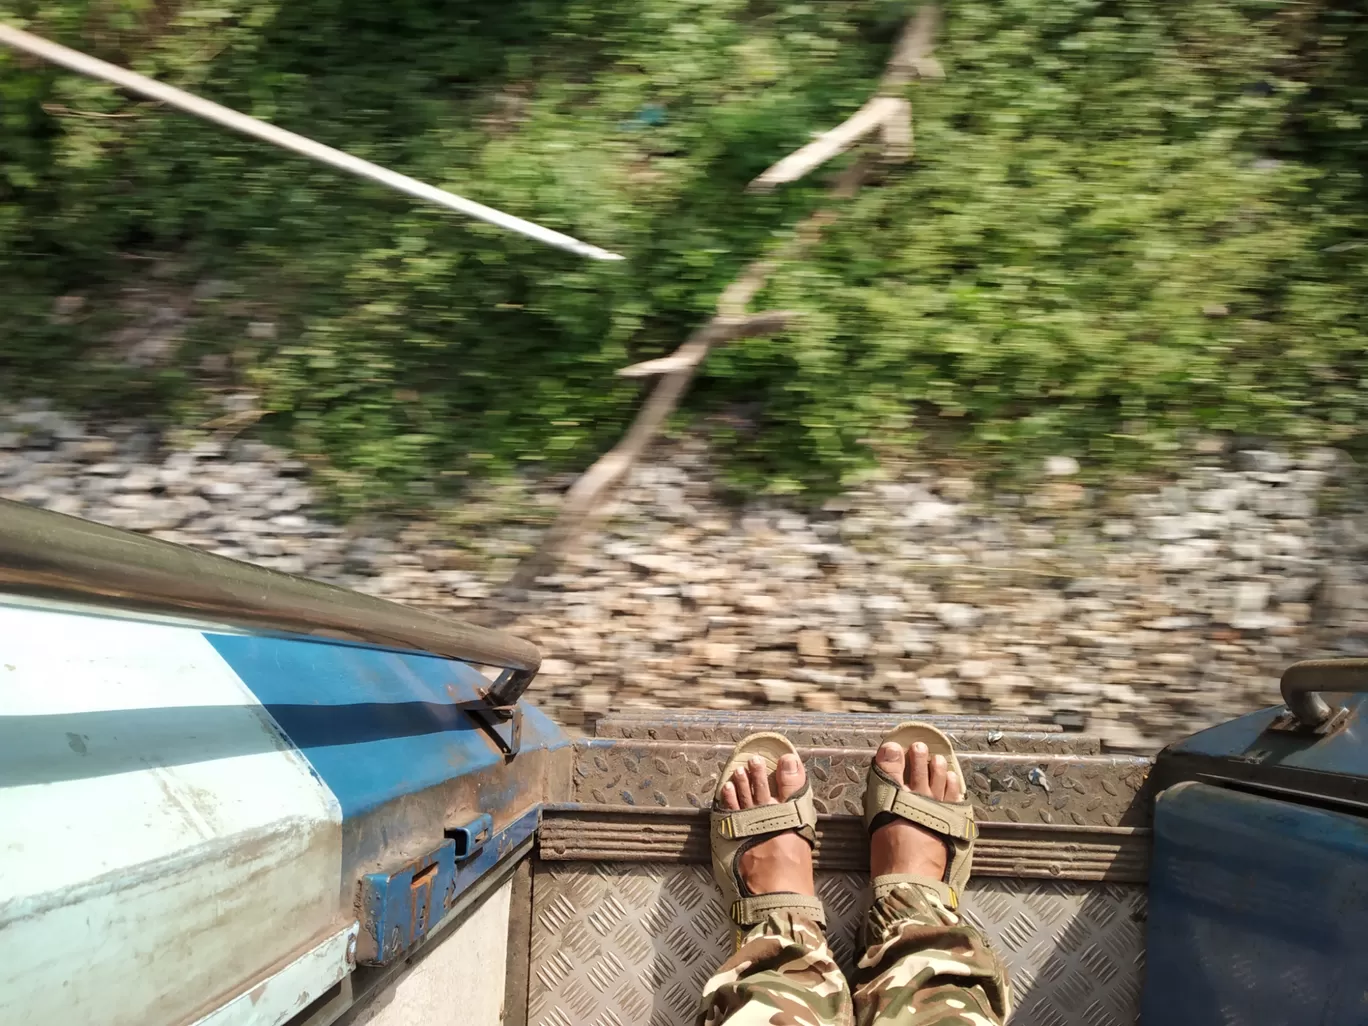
(840, 720)
(634, 943)
(1006, 742)
(519, 946)
(1303, 682)
(415, 824)
(840, 730)
(613, 833)
(399, 909)
(1099, 790)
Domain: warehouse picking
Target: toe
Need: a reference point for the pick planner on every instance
(939, 768)
(729, 796)
(759, 781)
(889, 758)
(954, 790)
(789, 777)
(741, 781)
(919, 769)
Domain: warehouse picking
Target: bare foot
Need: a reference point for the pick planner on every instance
(778, 864)
(902, 847)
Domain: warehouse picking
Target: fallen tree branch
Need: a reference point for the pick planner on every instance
(887, 113)
(869, 118)
(891, 116)
(912, 55)
(720, 329)
(585, 495)
(896, 133)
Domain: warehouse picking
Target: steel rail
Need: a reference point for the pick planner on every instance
(1302, 683)
(47, 555)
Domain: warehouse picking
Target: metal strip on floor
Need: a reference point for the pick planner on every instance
(609, 833)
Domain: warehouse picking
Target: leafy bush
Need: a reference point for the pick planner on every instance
(1124, 221)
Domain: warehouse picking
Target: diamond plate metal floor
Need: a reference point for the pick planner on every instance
(617, 944)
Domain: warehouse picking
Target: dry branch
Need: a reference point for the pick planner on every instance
(888, 114)
(869, 118)
(896, 133)
(720, 329)
(912, 56)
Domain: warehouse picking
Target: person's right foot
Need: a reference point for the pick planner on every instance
(899, 846)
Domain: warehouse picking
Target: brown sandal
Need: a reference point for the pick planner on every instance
(953, 821)
(735, 830)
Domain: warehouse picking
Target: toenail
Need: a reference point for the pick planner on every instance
(920, 748)
(789, 763)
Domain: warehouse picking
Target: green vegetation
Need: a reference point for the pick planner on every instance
(1125, 221)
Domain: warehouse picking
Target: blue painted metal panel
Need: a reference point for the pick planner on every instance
(375, 724)
(473, 836)
(1256, 912)
(400, 908)
(1343, 752)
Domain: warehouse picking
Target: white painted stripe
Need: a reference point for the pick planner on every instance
(160, 844)
(285, 994)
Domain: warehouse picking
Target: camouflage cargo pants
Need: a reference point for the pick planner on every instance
(922, 965)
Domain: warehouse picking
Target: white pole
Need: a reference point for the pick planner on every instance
(174, 97)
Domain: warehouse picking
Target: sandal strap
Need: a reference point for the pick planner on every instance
(798, 814)
(953, 820)
(752, 911)
(889, 882)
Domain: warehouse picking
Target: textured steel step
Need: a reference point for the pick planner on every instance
(627, 924)
(632, 942)
(1082, 790)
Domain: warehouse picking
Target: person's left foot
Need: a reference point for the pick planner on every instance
(782, 863)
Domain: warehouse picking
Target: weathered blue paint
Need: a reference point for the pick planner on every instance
(1342, 752)
(540, 731)
(496, 848)
(400, 908)
(1256, 912)
(375, 724)
(473, 836)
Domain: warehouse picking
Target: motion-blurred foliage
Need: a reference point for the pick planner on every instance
(1125, 220)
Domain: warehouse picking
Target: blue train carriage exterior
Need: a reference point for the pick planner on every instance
(229, 796)
(1258, 902)
(232, 796)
